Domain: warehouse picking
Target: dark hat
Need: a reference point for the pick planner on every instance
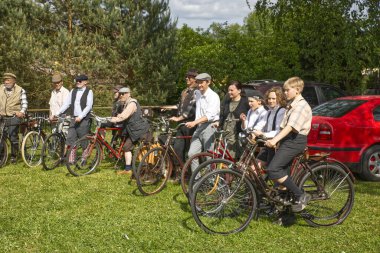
(9, 75)
(56, 78)
(192, 72)
(203, 76)
(81, 77)
(117, 88)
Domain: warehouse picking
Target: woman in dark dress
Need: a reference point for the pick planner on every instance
(231, 108)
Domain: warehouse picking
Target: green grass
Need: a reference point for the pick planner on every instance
(51, 211)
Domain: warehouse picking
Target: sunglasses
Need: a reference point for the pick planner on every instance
(79, 81)
(121, 94)
(189, 77)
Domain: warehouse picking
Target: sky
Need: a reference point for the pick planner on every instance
(202, 13)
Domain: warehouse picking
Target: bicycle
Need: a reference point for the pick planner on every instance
(5, 144)
(85, 154)
(225, 201)
(53, 149)
(32, 143)
(157, 164)
(219, 151)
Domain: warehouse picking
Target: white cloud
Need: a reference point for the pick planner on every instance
(201, 13)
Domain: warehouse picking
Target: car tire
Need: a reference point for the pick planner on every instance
(371, 164)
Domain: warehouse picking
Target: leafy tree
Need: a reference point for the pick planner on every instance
(115, 42)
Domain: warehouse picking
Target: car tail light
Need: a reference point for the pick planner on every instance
(324, 132)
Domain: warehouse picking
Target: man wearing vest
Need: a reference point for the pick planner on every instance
(13, 106)
(134, 124)
(78, 105)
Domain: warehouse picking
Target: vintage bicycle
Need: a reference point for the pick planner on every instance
(225, 201)
(53, 149)
(32, 143)
(85, 155)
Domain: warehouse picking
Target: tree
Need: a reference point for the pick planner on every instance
(127, 42)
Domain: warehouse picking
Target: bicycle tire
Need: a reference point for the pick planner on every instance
(83, 157)
(53, 151)
(332, 204)
(205, 168)
(4, 153)
(153, 171)
(139, 152)
(186, 170)
(31, 149)
(223, 202)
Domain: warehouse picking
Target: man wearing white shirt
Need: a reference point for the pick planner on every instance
(58, 94)
(207, 109)
(78, 105)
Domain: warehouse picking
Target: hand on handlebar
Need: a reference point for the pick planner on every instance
(20, 114)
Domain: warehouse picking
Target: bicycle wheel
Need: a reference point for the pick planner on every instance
(205, 168)
(153, 171)
(31, 149)
(4, 153)
(83, 157)
(332, 195)
(223, 202)
(139, 152)
(186, 170)
(53, 151)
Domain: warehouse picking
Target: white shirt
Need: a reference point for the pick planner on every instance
(268, 131)
(256, 119)
(57, 99)
(78, 112)
(207, 104)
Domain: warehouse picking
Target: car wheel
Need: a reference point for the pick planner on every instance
(371, 164)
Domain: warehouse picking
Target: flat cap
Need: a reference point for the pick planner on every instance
(81, 77)
(56, 78)
(203, 76)
(124, 90)
(9, 75)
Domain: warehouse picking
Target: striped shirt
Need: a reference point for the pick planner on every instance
(298, 115)
(24, 101)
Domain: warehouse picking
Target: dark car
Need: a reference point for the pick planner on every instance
(314, 93)
(349, 129)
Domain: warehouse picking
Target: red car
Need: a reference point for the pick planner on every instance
(349, 129)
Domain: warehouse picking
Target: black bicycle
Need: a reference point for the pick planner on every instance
(225, 201)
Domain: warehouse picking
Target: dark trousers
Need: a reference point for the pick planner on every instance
(13, 126)
(290, 147)
(181, 145)
(77, 130)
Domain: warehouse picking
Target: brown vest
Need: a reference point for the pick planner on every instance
(12, 104)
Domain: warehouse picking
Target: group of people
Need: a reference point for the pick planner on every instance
(283, 117)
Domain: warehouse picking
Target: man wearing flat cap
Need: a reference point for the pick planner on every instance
(78, 105)
(207, 109)
(134, 124)
(13, 105)
(185, 113)
(58, 94)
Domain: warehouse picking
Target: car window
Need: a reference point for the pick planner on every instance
(376, 113)
(331, 93)
(310, 95)
(336, 108)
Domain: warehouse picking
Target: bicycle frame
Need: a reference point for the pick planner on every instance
(118, 153)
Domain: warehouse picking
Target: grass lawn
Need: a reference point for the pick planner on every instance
(51, 211)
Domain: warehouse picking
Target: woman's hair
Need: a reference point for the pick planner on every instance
(238, 86)
(295, 82)
(280, 97)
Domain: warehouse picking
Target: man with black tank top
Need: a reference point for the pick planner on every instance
(78, 105)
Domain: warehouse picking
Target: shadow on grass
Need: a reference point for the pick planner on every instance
(183, 204)
(185, 223)
(367, 187)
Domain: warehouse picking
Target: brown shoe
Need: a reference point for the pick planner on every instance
(124, 172)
